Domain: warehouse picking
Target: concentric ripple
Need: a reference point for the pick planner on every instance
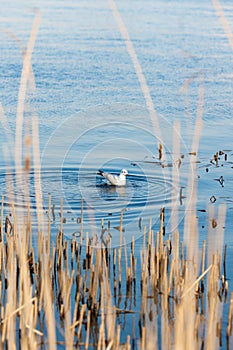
(142, 198)
(88, 202)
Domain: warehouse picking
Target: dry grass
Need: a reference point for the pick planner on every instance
(61, 292)
(78, 295)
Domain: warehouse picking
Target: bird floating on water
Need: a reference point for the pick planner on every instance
(115, 180)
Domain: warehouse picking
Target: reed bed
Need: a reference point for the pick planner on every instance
(86, 296)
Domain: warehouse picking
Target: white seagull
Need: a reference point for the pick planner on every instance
(115, 180)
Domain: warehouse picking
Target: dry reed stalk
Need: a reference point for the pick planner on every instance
(87, 246)
(143, 339)
(191, 228)
(224, 22)
(117, 340)
(101, 343)
(211, 341)
(138, 69)
(81, 223)
(164, 324)
(91, 288)
(65, 292)
(22, 97)
(128, 347)
(175, 176)
(186, 310)
(198, 123)
(143, 250)
(61, 218)
(31, 335)
(161, 232)
(148, 251)
(76, 322)
(151, 325)
(87, 332)
(144, 291)
(22, 49)
(49, 224)
(110, 312)
(203, 258)
(119, 270)
(83, 309)
(152, 259)
(37, 182)
(181, 327)
(230, 318)
(214, 310)
(11, 320)
(220, 228)
(4, 326)
(1, 220)
(177, 262)
(121, 228)
(224, 262)
(41, 292)
(131, 267)
(96, 275)
(102, 224)
(132, 245)
(157, 257)
(53, 212)
(196, 281)
(171, 276)
(48, 307)
(28, 224)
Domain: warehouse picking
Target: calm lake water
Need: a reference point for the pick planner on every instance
(92, 113)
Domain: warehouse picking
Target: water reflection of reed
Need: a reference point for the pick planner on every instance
(94, 293)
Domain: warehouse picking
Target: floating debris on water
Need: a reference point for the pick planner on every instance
(213, 199)
(214, 223)
(160, 151)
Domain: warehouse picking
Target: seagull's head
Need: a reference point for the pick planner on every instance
(124, 172)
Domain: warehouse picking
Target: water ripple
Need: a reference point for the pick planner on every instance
(141, 198)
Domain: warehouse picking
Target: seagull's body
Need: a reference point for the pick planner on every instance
(115, 180)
